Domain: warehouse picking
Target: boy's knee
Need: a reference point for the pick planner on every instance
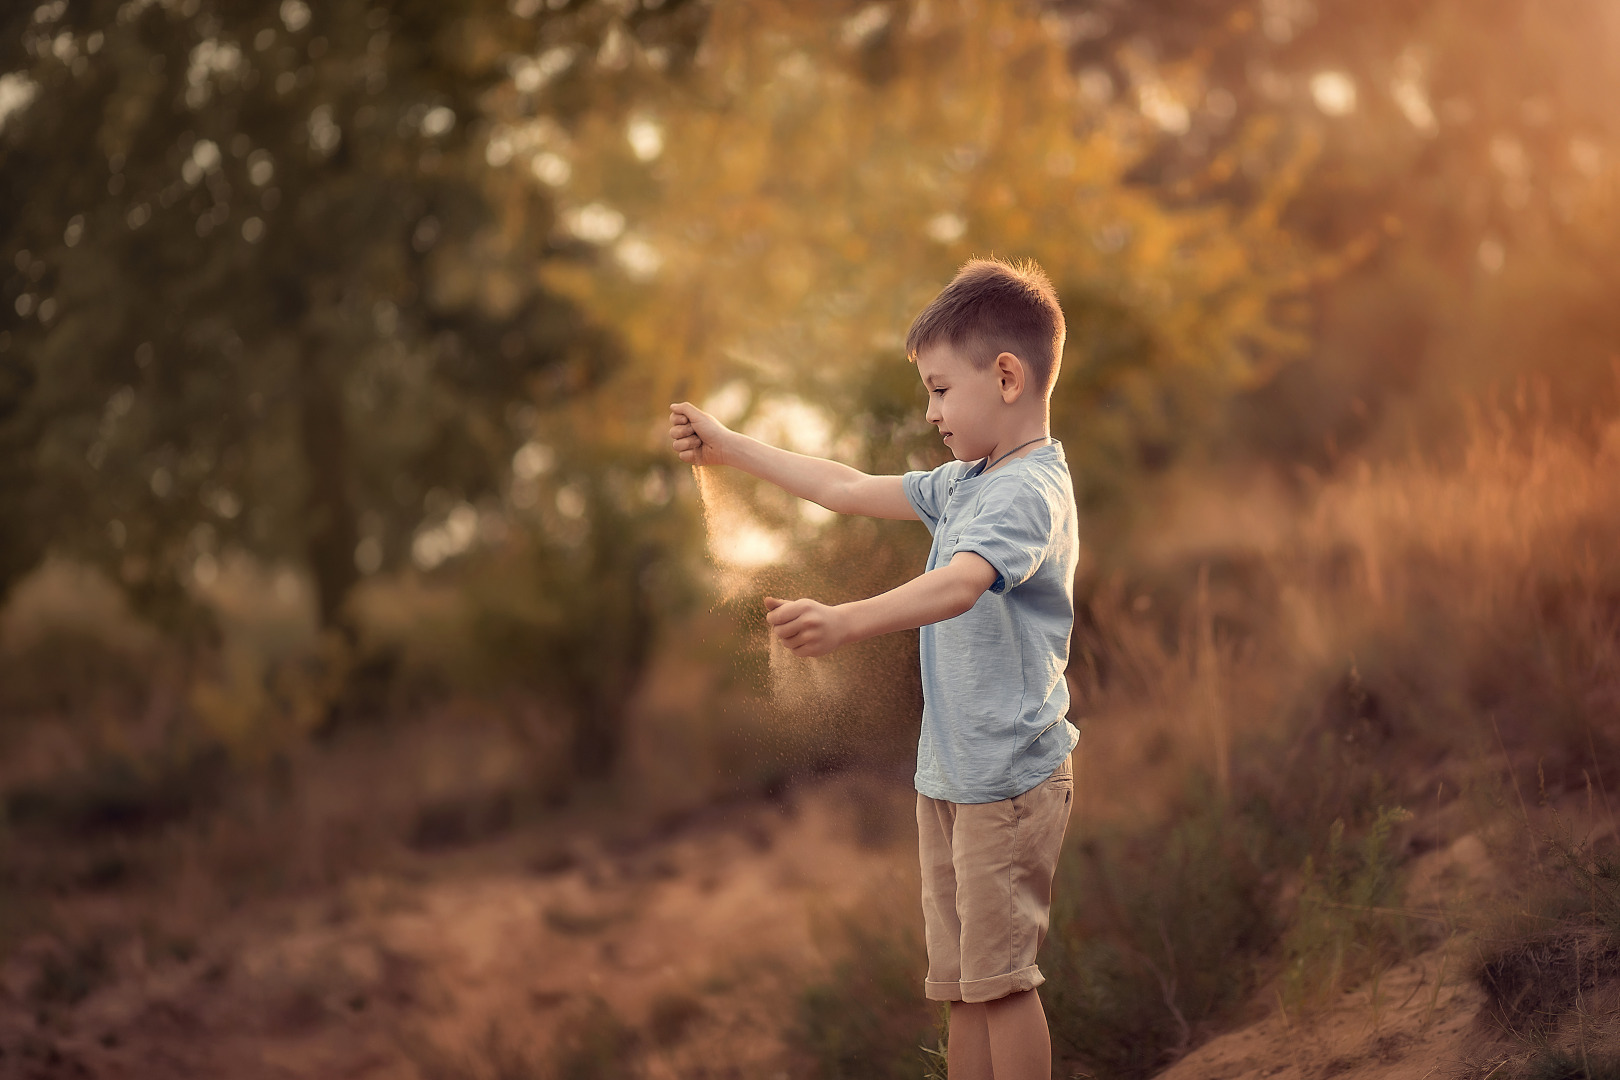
(1016, 999)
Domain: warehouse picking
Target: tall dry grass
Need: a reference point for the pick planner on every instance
(1286, 699)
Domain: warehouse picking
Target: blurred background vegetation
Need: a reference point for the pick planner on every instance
(335, 504)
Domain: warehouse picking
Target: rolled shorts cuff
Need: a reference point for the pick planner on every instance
(992, 989)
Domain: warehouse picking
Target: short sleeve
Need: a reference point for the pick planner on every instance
(928, 492)
(1013, 531)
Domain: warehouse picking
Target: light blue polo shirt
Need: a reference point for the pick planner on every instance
(995, 702)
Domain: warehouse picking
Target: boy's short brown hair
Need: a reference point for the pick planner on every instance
(992, 307)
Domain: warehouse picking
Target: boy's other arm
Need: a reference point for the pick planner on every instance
(809, 628)
(700, 439)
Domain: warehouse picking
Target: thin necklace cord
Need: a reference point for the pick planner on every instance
(1013, 451)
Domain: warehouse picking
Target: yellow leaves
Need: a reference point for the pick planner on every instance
(811, 196)
(256, 704)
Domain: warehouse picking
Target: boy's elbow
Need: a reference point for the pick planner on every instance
(970, 576)
(967, 594)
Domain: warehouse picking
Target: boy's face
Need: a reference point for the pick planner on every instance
(964, 403)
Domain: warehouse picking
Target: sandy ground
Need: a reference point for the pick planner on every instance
(691, 948)
(1420, 1020)
(699, 942)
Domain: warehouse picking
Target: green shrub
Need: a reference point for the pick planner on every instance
(1154, 937)
(868, 1019)
(1558, 1065)
(598, 1047)
(1557, 944)
(1346, 926)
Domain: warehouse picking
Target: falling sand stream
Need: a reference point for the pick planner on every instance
(797, 685)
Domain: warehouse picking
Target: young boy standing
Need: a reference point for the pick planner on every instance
(995, 609)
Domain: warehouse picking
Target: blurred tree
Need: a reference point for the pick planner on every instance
(269, 293)
(275, 291)
(1465, 186)
(781, 215)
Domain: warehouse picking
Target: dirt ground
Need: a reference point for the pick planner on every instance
(683, 952)
(698, 942)
(1418, 1022)
(1425, 1019)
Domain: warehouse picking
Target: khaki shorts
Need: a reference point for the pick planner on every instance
(987, 888)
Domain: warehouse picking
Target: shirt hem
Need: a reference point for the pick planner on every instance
(941, 793)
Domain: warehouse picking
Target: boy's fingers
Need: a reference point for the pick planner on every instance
(773, 602)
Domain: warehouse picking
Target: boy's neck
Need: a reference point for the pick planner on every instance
(1020, 439)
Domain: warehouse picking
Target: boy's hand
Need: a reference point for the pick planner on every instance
(697, 436)
(806, 627)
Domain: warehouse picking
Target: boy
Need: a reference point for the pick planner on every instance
(995, 609)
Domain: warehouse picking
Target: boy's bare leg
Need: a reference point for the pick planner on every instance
(967, 1054)
(1020, 1045)
(1004, 1039)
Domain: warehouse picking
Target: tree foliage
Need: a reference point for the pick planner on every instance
(821, 178)
(271, 294)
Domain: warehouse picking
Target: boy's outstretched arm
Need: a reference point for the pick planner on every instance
(700, 439)
(809, 628)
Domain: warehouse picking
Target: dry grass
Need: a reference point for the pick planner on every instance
(1284, 702)
(1262, 694)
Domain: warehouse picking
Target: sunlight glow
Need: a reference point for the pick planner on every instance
(1162, 107)
(865, 24)
(1334, 92)
(646, 138)
(1410, 93)
(791, 422)
(640, 260)
(946, 228)
(551, 169)
(17, 92)
(595, 223)
(532, 460)
(747, 544)
(729, 402)
(294, 15)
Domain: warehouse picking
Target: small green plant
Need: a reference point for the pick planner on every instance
(1553, 947)
(672, 1016)
(1155, 937)
(936, 1057)
(1590, 880)
(1346, 927)
(868, 1017)
(69, 976)
(494, 1057)
(598, 1049)
(1559, 1065)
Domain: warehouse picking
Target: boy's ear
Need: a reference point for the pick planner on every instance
(1012, 376)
